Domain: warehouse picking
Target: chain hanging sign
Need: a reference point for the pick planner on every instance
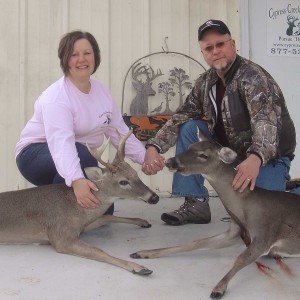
(283, 28)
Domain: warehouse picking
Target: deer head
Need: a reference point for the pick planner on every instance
(119, 179)
(203, 157)
(291, 22)
(140, 72)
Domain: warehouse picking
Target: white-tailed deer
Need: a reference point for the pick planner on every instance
(50, 213)
(268, 222)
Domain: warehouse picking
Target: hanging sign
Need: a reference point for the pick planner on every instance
(283, 28)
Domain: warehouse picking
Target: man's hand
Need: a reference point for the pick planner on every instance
(82, 189)
(153, 162)
(247, 172)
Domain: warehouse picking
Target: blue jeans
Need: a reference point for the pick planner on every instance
(273, 176)
(36, 165)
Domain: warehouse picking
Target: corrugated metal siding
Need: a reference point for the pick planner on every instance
(125, 30)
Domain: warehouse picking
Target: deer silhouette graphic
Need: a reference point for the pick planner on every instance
(139, 105)
(291, 22)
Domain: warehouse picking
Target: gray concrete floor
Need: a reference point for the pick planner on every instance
(35, 272)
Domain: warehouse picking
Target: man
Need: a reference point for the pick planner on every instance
(239, 105)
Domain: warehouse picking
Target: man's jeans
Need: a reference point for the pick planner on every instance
(273, 176)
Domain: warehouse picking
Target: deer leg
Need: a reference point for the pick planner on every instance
(253, 252)
(223, 240)
(286, 248)
(75, 246)
(106, 219)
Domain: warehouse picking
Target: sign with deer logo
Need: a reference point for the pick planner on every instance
(158, 85)
(283, 28)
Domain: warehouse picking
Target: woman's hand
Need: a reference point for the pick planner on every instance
(247, 172)
(82, 189)
(153, 162)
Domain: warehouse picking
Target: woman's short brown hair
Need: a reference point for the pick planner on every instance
(66, 46)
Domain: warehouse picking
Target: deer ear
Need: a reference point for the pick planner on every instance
(200, 135)
(94, 173)
(227, 155)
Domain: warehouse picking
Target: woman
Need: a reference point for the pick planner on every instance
(74, 111)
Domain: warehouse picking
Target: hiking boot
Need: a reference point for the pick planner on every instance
(193, 210)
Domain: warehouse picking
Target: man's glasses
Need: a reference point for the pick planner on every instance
(210, 49)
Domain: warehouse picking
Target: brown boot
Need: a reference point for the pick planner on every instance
(191, 211)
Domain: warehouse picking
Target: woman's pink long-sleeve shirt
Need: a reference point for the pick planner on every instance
(64, 115)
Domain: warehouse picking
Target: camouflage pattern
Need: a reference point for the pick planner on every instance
(254, 113)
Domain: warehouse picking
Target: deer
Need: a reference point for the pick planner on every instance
(50, 214)
(291, 22)
(139, 105)
(267, 221)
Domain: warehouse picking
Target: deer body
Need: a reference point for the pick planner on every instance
(51, 214)
(267, 221)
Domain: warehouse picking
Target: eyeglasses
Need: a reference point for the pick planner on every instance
(209, 49)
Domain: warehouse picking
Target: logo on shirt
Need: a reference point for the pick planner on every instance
(105, 118)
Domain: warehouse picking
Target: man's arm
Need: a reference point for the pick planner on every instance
(191, 109)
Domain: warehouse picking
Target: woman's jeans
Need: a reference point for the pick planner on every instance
(273, 176)
(36, 164)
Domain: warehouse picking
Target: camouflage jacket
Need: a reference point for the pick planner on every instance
(253, 108)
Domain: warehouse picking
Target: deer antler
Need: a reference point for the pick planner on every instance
(137, 71)
(292, 18)
(97, 153)
(121, 148)
(150, 71)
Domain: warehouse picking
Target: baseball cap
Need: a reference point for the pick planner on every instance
(212, 24)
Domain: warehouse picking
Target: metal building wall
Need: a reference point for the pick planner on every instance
(125, 30)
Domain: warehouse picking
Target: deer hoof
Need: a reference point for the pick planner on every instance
(146, 226)
(216, 295)
(143, 272)
(135, 255)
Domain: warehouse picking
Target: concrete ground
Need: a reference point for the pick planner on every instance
(35, 272)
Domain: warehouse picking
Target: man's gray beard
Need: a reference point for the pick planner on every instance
(221, 67)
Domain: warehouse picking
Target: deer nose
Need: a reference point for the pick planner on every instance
(168, 163)
(154, 199)
(171, 163)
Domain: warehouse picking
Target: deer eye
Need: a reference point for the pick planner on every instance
(123, 182)
(203, 156)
